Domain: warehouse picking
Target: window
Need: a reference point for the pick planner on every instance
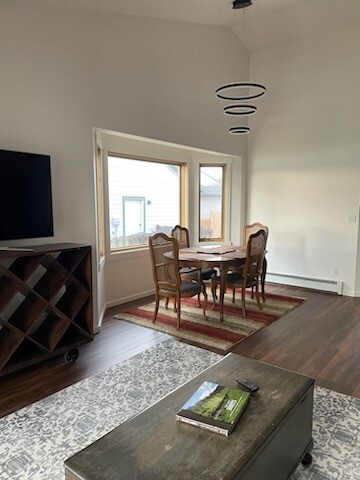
(211, 202)
(144, 198)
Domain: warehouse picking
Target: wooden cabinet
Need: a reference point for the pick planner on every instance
(45, 303)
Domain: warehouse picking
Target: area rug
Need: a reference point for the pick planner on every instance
(211, 332)
(36, 440)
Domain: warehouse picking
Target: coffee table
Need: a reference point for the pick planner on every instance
(272, 436)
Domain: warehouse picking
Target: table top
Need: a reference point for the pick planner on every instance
(213, 254)
(154, 445)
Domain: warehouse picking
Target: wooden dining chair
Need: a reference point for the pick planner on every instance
(249, 230)
(164, 252)
(249, 275)
(190, 273)
(253, 228)
(182, 236)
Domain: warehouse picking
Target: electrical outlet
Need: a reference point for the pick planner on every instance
(351, 218)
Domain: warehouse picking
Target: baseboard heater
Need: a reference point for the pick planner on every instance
(334, 286)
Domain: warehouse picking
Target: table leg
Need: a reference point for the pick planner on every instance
(223, 272)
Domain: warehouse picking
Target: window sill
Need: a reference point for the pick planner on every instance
(125, 254)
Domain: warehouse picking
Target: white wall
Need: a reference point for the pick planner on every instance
(305, 157)
(65, 71)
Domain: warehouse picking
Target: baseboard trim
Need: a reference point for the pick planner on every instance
(130, 298)
(334, 286)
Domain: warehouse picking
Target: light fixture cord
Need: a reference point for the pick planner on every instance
(226, 58)
(240, 47)
(235, 52)
(251, 56)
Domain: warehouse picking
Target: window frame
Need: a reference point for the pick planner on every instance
(183, 200)
(100, 203)
(224, 194)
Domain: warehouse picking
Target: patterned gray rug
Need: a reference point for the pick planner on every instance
(35, 441)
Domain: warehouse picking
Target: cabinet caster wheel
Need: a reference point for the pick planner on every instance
(307, 459)
(72, 355)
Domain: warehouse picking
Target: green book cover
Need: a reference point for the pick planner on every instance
(214, 407)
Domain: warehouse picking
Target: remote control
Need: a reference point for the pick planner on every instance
(245, 383)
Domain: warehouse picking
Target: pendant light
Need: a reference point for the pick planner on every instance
(240, 91)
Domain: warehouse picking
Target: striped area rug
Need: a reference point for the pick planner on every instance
(211, 332)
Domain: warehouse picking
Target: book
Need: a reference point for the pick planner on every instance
(214, 407)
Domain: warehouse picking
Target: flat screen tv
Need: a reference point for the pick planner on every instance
(25, 196)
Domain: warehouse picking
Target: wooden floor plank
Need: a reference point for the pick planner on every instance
(320, 338)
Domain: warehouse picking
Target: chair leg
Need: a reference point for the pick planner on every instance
(174, 308)
(178, 301)
(205, 301)
(258, 296)
(252, 292)
(233, 295)
(214, 296)
(262, 279)
(157, 300)
(243, 302)
(215, 292)
(166, 302)
(199, 301)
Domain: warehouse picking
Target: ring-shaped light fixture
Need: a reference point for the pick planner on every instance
(240, 109)
(224, 92)
(239, 130)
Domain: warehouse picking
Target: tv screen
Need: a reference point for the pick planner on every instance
(25, 196)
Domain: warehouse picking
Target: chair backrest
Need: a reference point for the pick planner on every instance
(164, 252)
(253, 228)
(182, 236)
(255, 251)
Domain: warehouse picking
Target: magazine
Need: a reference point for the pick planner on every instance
(214, 407)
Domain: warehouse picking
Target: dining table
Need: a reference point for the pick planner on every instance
(223, 257)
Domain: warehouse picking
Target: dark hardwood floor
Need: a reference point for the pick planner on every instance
(320, 338)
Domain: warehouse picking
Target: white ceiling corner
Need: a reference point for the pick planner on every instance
(271, 21)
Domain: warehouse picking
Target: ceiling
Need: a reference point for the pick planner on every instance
(271, 22)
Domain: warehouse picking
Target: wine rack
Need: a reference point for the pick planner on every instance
(45, 303)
